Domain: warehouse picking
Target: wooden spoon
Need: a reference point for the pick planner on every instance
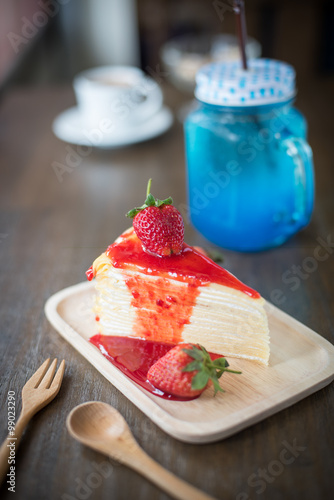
(101, 427)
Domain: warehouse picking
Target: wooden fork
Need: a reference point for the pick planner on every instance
(40, 389)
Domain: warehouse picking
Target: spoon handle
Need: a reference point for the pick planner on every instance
(177, 488)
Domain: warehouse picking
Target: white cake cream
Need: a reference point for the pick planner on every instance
(181, 298)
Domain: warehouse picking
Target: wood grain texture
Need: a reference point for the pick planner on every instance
(53, 231)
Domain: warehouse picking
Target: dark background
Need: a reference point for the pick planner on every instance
(300, 32)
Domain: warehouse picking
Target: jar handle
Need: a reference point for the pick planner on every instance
(301, 154)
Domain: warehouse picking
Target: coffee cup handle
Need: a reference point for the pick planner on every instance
(151, 90)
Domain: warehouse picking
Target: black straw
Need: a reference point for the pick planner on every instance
(239, 10)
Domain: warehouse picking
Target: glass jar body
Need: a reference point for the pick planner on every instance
(249, 174)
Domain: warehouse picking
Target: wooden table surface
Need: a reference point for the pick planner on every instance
(51, 231)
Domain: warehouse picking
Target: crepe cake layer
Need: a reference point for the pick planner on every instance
(184, 298)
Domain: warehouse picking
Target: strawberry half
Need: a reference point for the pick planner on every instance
(186, 370)
(158, 225)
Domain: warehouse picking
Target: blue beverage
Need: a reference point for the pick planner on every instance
(249, 168)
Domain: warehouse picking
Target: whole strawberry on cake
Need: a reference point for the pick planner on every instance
(158, 225)
(151, 285)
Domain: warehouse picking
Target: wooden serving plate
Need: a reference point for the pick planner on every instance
(301, 362)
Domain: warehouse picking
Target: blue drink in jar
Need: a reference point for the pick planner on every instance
(249, 168)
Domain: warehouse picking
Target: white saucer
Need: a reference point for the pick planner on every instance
(68, 127)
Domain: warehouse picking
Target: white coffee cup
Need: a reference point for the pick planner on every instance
(122, 96)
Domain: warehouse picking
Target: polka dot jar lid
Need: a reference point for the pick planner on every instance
(227, 84)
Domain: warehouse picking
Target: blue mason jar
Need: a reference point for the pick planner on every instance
(250, 176)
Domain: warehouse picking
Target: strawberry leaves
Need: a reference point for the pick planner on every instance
(207, 369)
(149, 202)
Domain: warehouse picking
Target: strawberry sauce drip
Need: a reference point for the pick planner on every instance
(162, 309)
(134, 357)
(190, 266)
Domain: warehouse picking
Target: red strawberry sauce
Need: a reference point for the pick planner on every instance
(134, 357)
(189, 266)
